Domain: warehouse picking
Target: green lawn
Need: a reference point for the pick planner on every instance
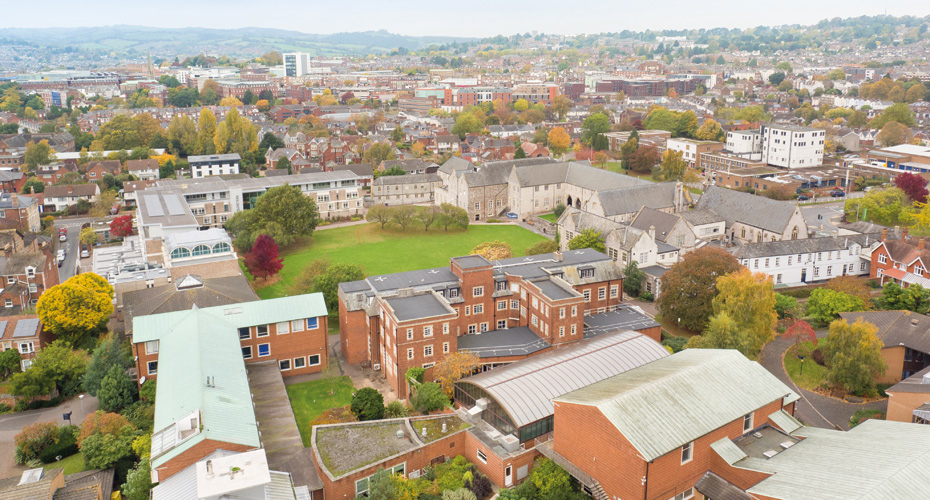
(549, 217)
(811, 375)
(310, 399)
(72, 464)
(391, 251)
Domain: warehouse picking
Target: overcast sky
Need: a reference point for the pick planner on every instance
(476, 18)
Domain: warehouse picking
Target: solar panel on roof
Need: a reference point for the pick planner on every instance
(26, 328)
(174, 204)
(153, 206)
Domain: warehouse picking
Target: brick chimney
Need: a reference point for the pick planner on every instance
(904, 233)
(920, 243)
(884, 234)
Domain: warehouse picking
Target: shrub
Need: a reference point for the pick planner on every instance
(367, 404)
(480, 485)
(338, 415)
(34, 439)
(675, 343)
(395, 409)
(558, 210)
(429, 397)
(545, 246)
(416, 373)
(65, 447)
(864, 414)
(647, 297)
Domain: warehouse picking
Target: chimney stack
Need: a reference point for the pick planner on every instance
(652, 233)
(905, 232)
(884, 234)
(920, 243)
(557, 255)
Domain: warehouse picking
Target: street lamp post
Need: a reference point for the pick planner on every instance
(83, 413)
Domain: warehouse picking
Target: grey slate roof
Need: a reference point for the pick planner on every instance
(666, 404)
(807, 245)
(713, 486)
(700, 217)
(897, 327)
(456, 164)
(757, 211)
(525, 389)
(630, 199)
(663, 222)
(914, 383)
(391, 180)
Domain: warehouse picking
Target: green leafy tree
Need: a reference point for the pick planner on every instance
(138, 483)
(38, 154)
(33, 185)
(594, 125)
(328, 281)
(428, 397)
(913, 298)
(452, 216)
(9, 362)
(282, 212)
(380, 486)
(379, 152)
(111, 352)
(900, 113)
(853, 355)
(466, 123)
(686, 125)
(116, 390)
(56, 366)
(367, 404)
(785, 305)
(545, 246)
(776, 78)
(689, 287)
(824, 305)
(519, 153)
(550, 481)
(102, 451)
(587, 238)
(722, 332)
(661, 119)
(633, 279)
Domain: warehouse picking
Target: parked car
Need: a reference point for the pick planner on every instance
(85, 253)
(512, 215)
(838, 193)
(62, 234)
(803, 197)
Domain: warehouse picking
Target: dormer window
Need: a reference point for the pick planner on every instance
(586, 273)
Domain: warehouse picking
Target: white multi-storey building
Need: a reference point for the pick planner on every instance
(745, 143)
(790, 146)
(296, 63)
(207, 165)
(793, 262)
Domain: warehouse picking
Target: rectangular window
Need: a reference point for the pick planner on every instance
(882, 258)
(410, 334)
(445, 348)
(614, 291)
(574, 329)
(561, 331)
(313, 323)
(264, 350)
(478, 291)
(534, 320)
(514, 304)
(300, 362)
(313, 360)
(467, 310)
(500, 286)
(427, 331)
(297, 325)
(445, 328)
(602, 293)
(472, 329)
(502, 324)
(151, 347)
(484, 326)
(27, 347)
(152, 367)
(574, 311)
(478, 308)
(245, 333)
(587, 273)
(587, 295)
(747, 423)
(482, 457)
(427, 350)
(561, 312)
(687, 452)
(261, 331)
(283, 328)
(453, 293)
(409, 353)
(501, 305)
(688, 494)
(284, 364)
(247, 352)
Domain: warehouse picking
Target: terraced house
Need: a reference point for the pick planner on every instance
(502, 311)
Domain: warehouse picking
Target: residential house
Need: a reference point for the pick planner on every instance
(58, 198)
(19, 212)
(692, 150)
(411, 166)
(53, 484)
(11, 181)
(623, 243)
(26, 335)
(143, 170)
(96, 170)
(131, 190)
(25, 277)
(363, 170)
(902, 259)
(751, 218)
(810, 260)
(672, 229)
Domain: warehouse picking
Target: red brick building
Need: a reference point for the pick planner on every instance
(901, 259)
(26, 335)
(397, 321)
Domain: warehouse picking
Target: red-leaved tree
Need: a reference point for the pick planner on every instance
(801, 331)
(263, 262)
(121, 226)
(913, 185)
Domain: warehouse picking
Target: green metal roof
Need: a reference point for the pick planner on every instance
(876, 460)
(261, 312)
(200, 343)
(672, 401)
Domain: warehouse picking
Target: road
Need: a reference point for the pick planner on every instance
(12, 423)
(823, 216)
(72, 247)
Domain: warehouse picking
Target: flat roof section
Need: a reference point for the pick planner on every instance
(425, 305)
(519, 341)
(555, 292)
(623, 318)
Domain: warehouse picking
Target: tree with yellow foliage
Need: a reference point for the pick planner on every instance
(559, 140)
(455, 366)
(521, 105)
(76, 308)
(230, 101)
(493, 250)
(417, 149)
(744, 314)
(263, 105)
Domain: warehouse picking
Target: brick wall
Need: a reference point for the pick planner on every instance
(194, 454)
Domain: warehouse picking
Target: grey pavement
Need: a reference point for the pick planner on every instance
(72, 247)
(11, 424)
(813, 409)
(823, 216)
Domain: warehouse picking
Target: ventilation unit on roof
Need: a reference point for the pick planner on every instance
(787, 444)
(757, 435)
(232, 310)
(770, 453)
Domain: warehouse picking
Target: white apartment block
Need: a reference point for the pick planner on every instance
(296, 63)
(790, 146)
(793, 262)
(746, 143)
(208, 165)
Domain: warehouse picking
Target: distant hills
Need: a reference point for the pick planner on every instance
(130, 40)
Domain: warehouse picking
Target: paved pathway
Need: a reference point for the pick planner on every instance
(12, 423)
(813, 409)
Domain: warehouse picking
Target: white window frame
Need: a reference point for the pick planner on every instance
(687, 453)
(481, 456)
(428, 331)
(151, 347)
(410, 353)
(477, 291)
(428, 351)
(297, 325)
(303, 362)
(246, 348)
(260, 355)
(310, 360)
(258, 331)
(148, 367)
(281, 364)
(748, 422)
(283, 328)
